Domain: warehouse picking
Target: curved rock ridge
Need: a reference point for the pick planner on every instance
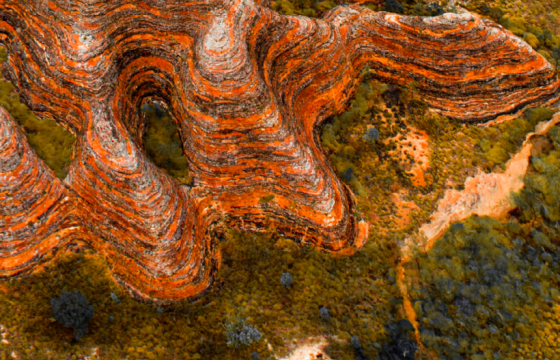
(248, 89)
(148, 222)
(467, 68)
(35, 210)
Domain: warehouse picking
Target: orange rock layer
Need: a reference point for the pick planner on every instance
(248, 89)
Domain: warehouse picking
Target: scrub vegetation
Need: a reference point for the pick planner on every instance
(309, 8)
(490, 289)
(163, 144)
(359, 292)
(52, 142)
(487, 289)
(372, 148)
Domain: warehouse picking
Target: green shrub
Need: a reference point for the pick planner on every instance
(536, 115)
(546, 55)
(516, 25)
(240, 333)
(532, 40)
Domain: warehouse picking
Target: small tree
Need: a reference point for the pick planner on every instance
(238, 333)
(286, 279)
(401, 347)
(72, 309)
(434, 9)
(115, 298)
(324, 312)
(371, 135)
(348, 174)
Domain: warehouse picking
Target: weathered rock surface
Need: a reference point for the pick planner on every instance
(248, 89)
(34, 205)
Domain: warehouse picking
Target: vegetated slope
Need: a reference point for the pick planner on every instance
(162, 143)
(52, 142)
(359, 293)
(490, 288)
(398, 157)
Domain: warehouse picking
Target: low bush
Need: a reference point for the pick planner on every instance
(239, 333)
(73, 310)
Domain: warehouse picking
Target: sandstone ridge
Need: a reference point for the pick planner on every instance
(248, 89)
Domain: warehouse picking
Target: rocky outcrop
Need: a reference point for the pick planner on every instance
(467, 68)
(248, 89)
(35, 208)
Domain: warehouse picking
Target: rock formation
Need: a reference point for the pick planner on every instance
(248, 89)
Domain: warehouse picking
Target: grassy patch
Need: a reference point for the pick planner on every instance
(303, 7)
